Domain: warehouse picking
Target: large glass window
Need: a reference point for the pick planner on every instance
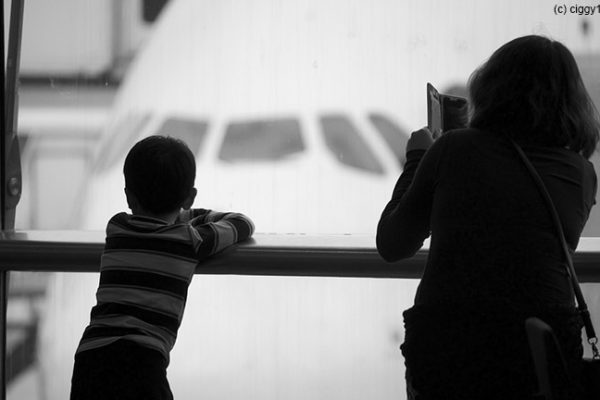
(97, 76)
(298, 112)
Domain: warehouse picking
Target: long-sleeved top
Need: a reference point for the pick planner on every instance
(492, 236)
(146, 268)
(494, 260)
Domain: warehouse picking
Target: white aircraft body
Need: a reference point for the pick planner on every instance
(287, 105)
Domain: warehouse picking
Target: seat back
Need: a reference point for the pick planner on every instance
(545, 350)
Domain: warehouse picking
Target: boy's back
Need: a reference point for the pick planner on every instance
(146, 268)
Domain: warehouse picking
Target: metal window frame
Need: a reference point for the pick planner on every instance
(278, 255)
(10, 168)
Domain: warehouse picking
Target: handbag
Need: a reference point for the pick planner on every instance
(591, 366)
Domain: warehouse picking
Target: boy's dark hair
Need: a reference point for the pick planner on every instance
(160, 171)
(531, 90)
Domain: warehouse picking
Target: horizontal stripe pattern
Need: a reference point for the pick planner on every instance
(169, 323)
(159, 264)
(163, 231)
(110, 331)
(147, 280)
(221, 230)
(161, 302)
(151, 245)
(135, 326)
(146, 269)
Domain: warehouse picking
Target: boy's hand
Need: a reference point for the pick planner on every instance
(420, 140)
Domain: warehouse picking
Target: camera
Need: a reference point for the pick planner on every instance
(445, 112)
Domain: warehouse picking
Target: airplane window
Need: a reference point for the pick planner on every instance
(344, 141)
(151, 9)
(190, 131)
(393, 135)
(261, 140)
(124, 133)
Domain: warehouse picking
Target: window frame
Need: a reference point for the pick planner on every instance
(10, 167)
(276, 255)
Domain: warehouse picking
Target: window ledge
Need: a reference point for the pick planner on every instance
(265, 254)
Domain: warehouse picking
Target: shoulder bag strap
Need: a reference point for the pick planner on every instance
(581, 304)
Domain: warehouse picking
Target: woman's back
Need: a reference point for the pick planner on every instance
(493, 240)
(494, 260)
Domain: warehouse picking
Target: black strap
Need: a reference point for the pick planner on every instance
(581, 304)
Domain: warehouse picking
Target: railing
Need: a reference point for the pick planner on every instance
(292, 255)
(280, 255)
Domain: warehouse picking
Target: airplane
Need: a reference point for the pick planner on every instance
(298, 113)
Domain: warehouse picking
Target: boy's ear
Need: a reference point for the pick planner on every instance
(189, 201)
(132, 201)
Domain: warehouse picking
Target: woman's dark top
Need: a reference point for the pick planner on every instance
(494, 257)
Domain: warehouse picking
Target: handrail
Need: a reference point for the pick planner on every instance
(282, 255)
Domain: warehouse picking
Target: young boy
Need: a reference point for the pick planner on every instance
(147, 265)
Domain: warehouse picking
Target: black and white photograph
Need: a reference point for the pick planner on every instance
(300, 200)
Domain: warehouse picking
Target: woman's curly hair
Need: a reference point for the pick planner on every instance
(531, 90)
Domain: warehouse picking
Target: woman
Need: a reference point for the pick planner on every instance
(494, 257)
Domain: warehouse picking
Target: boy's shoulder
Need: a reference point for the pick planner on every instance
(137, 224)
(129, 220)
(133, 233)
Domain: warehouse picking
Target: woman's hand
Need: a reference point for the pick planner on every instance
(420, 140)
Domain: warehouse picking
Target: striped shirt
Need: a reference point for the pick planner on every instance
(146, 268)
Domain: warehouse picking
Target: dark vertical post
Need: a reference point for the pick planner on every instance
(3, 274)
(12, 154)
(10, 167)
(2, 120)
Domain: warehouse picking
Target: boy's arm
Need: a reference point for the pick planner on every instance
(219, 230)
